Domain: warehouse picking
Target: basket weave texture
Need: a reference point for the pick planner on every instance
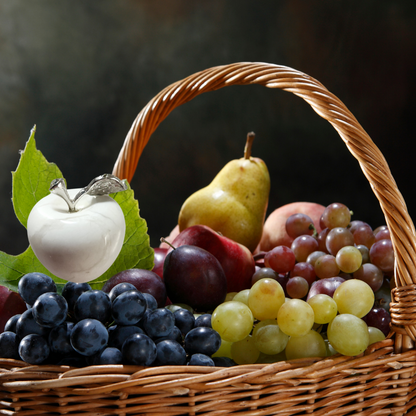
(381, 381)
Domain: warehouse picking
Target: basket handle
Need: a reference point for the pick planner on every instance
(326, 105)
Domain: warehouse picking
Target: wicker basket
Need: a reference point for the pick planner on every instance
(380, 381)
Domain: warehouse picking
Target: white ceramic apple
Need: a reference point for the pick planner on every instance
(78, 233)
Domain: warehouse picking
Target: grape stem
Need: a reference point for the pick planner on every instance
(312, 227)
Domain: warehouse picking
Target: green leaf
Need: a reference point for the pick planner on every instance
(136, 252)
(12, 268)
(31, 182)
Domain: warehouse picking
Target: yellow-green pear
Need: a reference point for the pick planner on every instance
(235, 202)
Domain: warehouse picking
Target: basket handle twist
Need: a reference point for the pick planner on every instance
(329, 107)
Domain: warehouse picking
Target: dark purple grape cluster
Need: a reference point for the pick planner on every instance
(83, 327)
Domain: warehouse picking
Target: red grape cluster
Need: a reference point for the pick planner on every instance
(317, 263)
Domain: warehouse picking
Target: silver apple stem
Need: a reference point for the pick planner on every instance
(58, 187)
(101, 185)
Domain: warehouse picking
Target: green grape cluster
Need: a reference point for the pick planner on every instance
(317, 298)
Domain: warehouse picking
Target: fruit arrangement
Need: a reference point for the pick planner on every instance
(231, 287)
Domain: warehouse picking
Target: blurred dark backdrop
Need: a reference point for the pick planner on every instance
(81, 71)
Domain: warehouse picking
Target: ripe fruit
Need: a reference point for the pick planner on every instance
(265, 299)
(195, 277)
(335, 215)
(348, 334)
(354, 297)
(11, 304)
(159, 260)
(232, 320)
(143, 280)
(234, 203)
(325, 286)
(281, 259)
(32, 285)
(309, 345)
(235, 259)
(274, 230)
(324, 307)
(295, 317)
(268, 338)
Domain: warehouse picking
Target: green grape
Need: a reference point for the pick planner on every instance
(242, 296)
(230, 296)
(309, 345)
(232, 320)
(265, 299)
(375, 335)
(268, 359)
(268, 337)
(295, 317)
(349, 259)
(354, 297)
(224, 350)
(245, 351)
(330, 350)
(324, 307)
(348, 334)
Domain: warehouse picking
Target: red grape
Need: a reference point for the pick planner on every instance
(364, 235)
(322, 240)
(297, 287)
(304, 245)
(365, 253)
(335, 215)
(337, 238)
(281, 259)
(353, 225)
(326, 266)
(325, 286)
(264, 273)
(370, 274)
(382, 255)
(383, 234)
(305, 270)
(299, 224)
(314, 256)
(380, 228)
(378, 318)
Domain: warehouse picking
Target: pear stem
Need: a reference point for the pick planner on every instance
(249, 144)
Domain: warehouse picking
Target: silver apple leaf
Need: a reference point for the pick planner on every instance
(101, 185)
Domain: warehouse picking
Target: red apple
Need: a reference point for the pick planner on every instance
(236, 259)
(11, 304)
(160, 254)
(274, 230)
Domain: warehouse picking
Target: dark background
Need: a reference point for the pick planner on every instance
(82, 70)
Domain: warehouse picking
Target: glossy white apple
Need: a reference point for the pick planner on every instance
(77, 244)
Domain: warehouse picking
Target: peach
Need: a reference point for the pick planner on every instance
(274, 230)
